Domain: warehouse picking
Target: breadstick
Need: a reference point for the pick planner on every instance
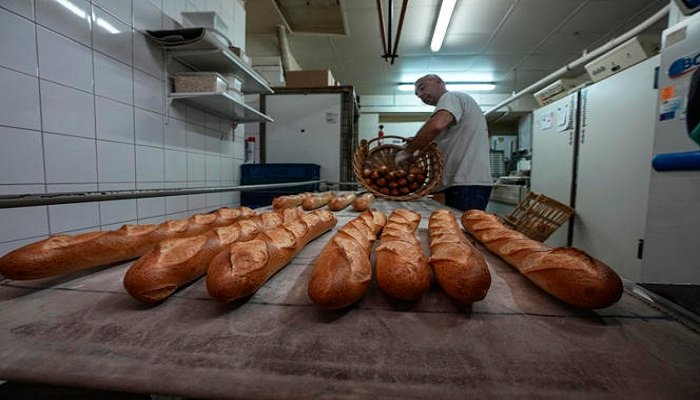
(175, 262)
(342, 271)
(61, 254)
(337, 203)
(402, 270)
(242, 268)
(459, 267)
(566, 273)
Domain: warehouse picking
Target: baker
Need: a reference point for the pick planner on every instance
(458, 126)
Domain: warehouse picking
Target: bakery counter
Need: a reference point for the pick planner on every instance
(84, 330)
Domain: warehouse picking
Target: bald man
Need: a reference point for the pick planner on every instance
(458, 126)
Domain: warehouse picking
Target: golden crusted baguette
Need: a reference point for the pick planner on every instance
(337, 203)
(459, 267)
(175, 262)
(363, 202)
(61, 254)
(289, 201)
(316, 201)
(243, 267)
(342, 271)
(402, 270)
(566, 273)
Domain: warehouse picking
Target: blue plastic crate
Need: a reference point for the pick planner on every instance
(255, 174)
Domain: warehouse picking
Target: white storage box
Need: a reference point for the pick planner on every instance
(195, 82)
(206, 19)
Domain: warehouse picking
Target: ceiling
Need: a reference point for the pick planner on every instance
(513, 43)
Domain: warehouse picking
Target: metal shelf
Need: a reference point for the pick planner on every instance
(223, 61)
(222, 105)
(206, 49)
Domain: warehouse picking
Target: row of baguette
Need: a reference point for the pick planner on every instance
(310, 201)
(239, 251)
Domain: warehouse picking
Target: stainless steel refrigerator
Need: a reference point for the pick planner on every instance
(672, 235)
(591, 150)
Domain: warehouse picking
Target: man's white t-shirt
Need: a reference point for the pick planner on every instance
(465, 143)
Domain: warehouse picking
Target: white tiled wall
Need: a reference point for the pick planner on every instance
(83, 108)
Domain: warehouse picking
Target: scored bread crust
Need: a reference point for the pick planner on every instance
(363, 202)
(338, 203)
(63, 253)
(175, 262)
(402, 270)
(342, 272)
(460, 269)
(316, 201)
(289, 201)
(243, 267)
(566, 273)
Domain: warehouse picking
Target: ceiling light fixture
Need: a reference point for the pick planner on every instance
(442, 23)
(456, 86)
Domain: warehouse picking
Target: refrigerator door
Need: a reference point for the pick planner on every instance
(671, 247)
(553, 135)
(615, 144)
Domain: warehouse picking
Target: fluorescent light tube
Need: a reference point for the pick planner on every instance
(456, 86)
(442, 23)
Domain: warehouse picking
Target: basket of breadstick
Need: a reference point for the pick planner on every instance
(376, 168)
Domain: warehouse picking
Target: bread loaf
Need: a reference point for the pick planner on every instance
(566, 273)
(337, 203)
(316, 201)
(363, 202)
(402, 270)
(242, 268)
(61, 254)
(289, 201)
(342, 272)
(175, 262)
(459, 267)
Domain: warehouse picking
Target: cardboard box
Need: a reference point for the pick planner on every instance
(309, 78)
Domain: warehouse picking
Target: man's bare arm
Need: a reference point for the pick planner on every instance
(430, 130)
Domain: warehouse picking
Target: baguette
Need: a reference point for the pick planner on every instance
(566, 273)
(242, 268)
(63, 253)
(363, 202)
(459, 267)
(316, 201)
(342, 201)
(342, 271)
(175, 262)
(402, 270)
(289, 201)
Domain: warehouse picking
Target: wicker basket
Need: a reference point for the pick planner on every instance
(538, 216)
(373, 154)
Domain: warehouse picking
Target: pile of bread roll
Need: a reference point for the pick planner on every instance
(239, 250)
(394, 181)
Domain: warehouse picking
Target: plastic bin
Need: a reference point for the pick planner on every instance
(260, 174)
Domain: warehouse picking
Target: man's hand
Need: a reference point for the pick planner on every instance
(402, 157)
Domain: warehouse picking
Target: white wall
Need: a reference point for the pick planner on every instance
(84, 109)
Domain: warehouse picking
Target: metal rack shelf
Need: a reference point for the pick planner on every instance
(43, 199)
(224, 61)
(222, 105)
(207, 50)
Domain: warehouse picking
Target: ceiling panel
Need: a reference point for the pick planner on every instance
(477, 16)
(513, 42)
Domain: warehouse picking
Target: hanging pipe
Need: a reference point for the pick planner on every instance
(381, 26)
(589, 56)
(398, 30)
